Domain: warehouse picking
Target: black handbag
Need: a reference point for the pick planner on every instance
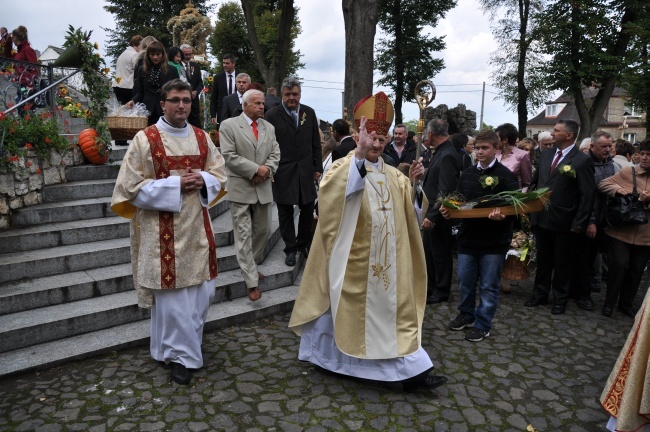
(626, 209)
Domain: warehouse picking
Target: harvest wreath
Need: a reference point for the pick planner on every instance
(510, 202)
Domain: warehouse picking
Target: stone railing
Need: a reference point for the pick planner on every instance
(23, 188)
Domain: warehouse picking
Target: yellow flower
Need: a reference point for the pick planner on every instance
(118, 79)
(78, 105)
(98, 56)
(489, 181)
(96, 46)
(107, 70)
(210, 78)
(567, 168)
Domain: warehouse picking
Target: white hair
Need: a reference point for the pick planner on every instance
(186, 46)
(544, 135)
(246, 98)
(586, 143)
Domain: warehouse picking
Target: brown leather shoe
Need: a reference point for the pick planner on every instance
(254, 294)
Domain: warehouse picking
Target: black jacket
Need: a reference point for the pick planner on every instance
(482, 235)
(572, 199)
(407, 156)
(346, 145)
(300, 155)
(441, 178)
(602, 170)
(148, 94)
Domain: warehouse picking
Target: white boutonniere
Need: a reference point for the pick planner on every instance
(304, 118)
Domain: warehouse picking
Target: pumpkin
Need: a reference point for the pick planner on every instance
(90, 147)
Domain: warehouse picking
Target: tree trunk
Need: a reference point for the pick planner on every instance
(399, 65)
(522, 94)
(360, 18)
(590, 116)
(274, 73)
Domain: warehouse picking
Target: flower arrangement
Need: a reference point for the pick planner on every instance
(98, 91)
(65, 103)
(207, 83)
(38, 134)
(567, 170)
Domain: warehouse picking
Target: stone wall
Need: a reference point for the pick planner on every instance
(460, 119)
(23, 188)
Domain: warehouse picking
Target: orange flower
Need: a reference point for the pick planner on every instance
(28, 164)
(38, 171)
(2, 115)
(27, 117)
(28, 146)
(206, 90)
(48, 140)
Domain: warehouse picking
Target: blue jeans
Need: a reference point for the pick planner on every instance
(484, 271)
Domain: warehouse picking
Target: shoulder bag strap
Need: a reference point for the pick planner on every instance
(634, 180)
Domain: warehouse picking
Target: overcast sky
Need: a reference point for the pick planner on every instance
(322, 43)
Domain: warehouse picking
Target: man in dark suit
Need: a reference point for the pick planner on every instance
(400, 149)
(233, 102)
(222, 86)
(296, 130)
(271, 100)
(192, 72)
(569, 174)
(341, 133)
(440, 179)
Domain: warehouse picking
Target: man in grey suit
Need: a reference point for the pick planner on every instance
(252, 155)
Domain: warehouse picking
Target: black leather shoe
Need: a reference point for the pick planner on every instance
(423, 381)
(180, 374)
(290, 260)
(631, 312)
(607, 310)
(534, 302)
(558, 309)
(585, 304)
(436, 300)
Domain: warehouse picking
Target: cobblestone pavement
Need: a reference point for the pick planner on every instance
(535, 369)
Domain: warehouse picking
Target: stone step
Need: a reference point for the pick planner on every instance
(64, 211)
(76, 190)
(84, 231)
(118, 152)
(37, 326)
(221, 315)
(92, 172)
(71, 258)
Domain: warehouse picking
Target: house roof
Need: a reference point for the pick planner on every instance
(569, 112)
(57, 49)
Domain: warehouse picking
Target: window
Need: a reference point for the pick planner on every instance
(551, 110)
(631, 137)
(630, 110)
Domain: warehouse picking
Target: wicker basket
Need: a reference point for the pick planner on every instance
(515, 269)
(527, 207)
(125, 128)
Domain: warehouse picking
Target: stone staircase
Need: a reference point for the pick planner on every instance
(66, 287)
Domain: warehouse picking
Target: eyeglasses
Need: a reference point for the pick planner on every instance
(176, 101)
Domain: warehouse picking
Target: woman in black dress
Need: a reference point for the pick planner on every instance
(149, 79)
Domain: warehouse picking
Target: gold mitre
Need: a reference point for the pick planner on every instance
(378, 111)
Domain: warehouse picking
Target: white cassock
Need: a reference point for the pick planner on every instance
(172, 243)
(317, 342)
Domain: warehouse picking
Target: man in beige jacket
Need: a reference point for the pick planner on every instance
(252, 155)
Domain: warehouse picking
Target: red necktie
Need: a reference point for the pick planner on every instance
(254, 125)
(557, 160)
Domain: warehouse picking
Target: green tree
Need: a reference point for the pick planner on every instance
(405, 56)
(636, 80)
(231, 36)
(513, 27)
(591, 44)
(146, 18)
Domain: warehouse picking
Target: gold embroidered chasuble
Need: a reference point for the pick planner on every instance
(367, 264)
(168, 250)
(627, 393)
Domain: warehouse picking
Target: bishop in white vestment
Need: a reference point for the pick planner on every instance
(361, 302)
(170, 176)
